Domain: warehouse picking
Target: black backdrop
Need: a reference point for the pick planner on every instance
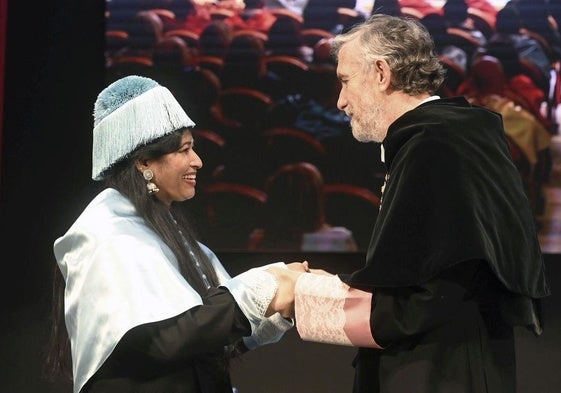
(54, 70)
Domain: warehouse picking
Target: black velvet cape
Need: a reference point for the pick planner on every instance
(454, 261)
(452, 194)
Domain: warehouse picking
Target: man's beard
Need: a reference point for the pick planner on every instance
(367, 129)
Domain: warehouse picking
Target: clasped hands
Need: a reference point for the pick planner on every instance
(283, 302)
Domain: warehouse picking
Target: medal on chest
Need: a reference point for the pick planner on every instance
(383, 188)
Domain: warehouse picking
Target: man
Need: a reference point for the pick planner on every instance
(454, 261)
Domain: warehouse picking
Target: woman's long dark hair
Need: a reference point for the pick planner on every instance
(125, 178)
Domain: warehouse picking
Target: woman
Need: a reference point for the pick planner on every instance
(294, 218)
(147, 307)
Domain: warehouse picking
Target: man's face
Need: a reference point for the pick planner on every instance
(359, 97)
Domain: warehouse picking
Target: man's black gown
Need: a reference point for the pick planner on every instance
(454, 261)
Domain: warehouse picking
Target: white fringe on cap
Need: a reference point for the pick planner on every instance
(148, 116)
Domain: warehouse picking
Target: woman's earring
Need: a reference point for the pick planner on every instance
(148, 175)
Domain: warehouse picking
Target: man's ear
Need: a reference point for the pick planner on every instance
(383, 74)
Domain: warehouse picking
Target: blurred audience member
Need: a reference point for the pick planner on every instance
(443, 43)
(215, 39)
(296, 6)
(193, 87)
(244, 67)
(424, 7)
(253, 17)
(535, 17)
(145, 30)
(490, 90)
(322, 14)
(188, 15)
(284, 39)
(174, 55)
(294, 218)
(387, 7)
(532, 96)
(456, 14)
(120, 12)
(486, 7)
(508, 26)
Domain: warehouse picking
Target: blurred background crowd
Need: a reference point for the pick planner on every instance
(257, 78)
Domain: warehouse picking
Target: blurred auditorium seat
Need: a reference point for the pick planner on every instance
(354, 207)
(217, 13)
(482, 21)
(212, 63)
(286, 13)
(232, 211)
(254, 33)
(114, 41)
(290, 70)
(167, 16)
(190, 38)
(287, 145)
(312, 36)
(211, 148)
(455, 76)
(243, 106)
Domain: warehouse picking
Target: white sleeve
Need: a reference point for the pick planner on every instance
(253, 290)
(269, 331)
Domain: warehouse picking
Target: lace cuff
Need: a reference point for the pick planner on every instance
(329, 311)
(253, 291)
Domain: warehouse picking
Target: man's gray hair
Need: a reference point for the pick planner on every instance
(404, 43)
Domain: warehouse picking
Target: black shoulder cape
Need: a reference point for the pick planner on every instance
(452, 194)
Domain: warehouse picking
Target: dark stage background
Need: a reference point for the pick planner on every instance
(54, 70)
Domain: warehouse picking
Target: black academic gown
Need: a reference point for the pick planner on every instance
(454, 261)
(184, 354)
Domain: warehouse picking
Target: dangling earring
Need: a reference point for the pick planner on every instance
(148, 175)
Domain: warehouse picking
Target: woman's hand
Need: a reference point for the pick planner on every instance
(283, 302)
(298, 266)
(305, 267)
(320, 271)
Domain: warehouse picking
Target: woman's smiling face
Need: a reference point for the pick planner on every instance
(175, 173)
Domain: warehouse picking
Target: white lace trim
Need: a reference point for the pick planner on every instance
(319, 302)
(253, 291)
(264, 287)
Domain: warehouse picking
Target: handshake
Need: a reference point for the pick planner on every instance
(323, 308)
(283, 302)
(326, 309)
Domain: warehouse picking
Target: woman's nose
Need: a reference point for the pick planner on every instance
(196, 161)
